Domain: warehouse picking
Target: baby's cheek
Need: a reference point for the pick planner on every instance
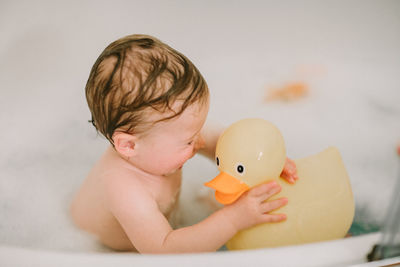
(189, 153)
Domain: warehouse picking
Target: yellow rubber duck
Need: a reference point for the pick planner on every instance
(321, 204)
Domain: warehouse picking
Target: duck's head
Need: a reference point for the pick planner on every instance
(249, 152)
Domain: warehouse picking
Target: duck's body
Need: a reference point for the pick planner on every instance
(321, 205)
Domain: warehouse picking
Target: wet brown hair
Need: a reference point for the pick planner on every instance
(135, 74)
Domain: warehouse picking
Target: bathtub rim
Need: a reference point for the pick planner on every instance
(352, 251)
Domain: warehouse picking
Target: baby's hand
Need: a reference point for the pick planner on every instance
(252, 208)
(289, 172)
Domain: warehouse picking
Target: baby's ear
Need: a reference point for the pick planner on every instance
(124, 143)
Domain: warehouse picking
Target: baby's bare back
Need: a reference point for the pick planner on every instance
(91, 211)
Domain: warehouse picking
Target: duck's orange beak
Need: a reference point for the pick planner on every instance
(227, 188)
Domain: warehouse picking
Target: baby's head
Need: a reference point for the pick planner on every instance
(137, 75)
(139, 82)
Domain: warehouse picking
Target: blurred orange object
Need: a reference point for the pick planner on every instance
(289, 92)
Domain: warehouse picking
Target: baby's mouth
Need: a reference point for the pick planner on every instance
(227, 188)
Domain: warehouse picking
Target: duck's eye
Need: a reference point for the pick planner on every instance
(217, 159)
(240, 168)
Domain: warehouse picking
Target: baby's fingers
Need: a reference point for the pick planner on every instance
(289, 172)
(274, 218)
(265, 190)
(273, 205)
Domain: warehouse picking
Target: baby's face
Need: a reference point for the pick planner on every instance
(169, 144)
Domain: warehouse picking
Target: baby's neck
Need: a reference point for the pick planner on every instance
(131, 167)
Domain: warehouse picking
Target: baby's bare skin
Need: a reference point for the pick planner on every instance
(129, 194)
(151, 103)
(90, 209)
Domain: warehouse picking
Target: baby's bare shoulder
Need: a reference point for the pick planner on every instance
(115, 173)
(120, 182)
(123, 187)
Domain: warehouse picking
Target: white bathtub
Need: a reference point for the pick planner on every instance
(346, 252)
(347, 53)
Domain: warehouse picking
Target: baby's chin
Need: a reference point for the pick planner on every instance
(173, 171)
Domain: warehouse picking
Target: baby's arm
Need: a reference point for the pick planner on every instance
(150, 232)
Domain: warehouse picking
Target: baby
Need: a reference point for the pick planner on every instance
(151, 103)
